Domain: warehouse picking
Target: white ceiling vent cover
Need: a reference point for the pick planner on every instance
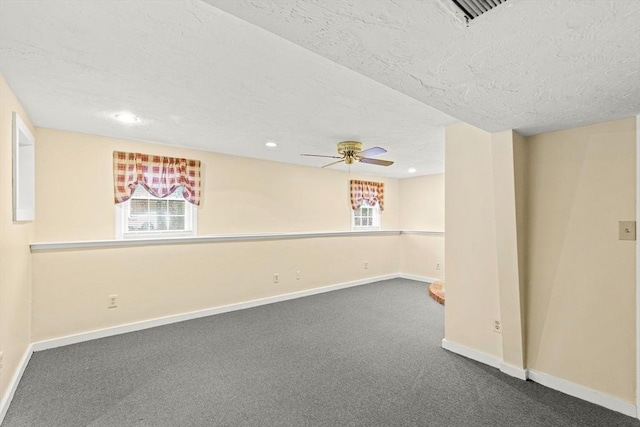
(467, 10)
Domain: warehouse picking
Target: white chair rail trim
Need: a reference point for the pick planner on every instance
(220, 238)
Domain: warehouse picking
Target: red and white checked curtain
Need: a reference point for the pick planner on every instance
(371, 192)
(159, 175)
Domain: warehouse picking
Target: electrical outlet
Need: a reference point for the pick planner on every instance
(626, 230)
(437, 266)
(497, 327)
(297, 275)
(113, 301)
(366, 265)
(276, 277)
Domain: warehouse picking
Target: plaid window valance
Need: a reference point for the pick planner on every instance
(159, 175)
(371, 192)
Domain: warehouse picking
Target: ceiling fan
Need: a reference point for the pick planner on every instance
(351, 151)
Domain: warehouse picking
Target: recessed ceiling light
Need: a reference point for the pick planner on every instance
(412, 170)
(126, 118)
(271, 144)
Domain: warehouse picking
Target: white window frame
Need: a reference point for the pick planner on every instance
(376, 218)
(122, 210)
(24, 180)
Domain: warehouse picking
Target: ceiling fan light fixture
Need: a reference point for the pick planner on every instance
(271, 144)
(351, 152)
(349, 147)
(412, 170)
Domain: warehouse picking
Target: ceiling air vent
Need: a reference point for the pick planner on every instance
(467, 10)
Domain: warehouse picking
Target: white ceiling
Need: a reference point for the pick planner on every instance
(309, 74)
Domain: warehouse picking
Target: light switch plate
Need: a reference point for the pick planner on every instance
(626, 230)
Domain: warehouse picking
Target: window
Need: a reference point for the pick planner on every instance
(366, 217)
(147, 216)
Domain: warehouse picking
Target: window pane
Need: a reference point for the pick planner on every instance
(366, 217)
(176, 207)
(139, 206)
(140, 191)
(146, 213)
(162, 223)
(141, 223)
(177, 194)
(158, 207)
(176, 223)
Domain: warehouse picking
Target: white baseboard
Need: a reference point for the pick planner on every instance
(584, 393)
(152, 323)
(15, 380)
(563, 386)
(418, 278)
(514, 371)
(471, 353)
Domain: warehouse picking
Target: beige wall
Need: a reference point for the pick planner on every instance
(473, 301)
(549, 223)
(241, 195)
(422, 209)
(581, 281)
(15, 260)
(422, 203)
(70, 288)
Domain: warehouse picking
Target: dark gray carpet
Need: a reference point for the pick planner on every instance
(364, 356)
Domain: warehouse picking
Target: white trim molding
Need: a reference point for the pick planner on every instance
(514, 371)
(15, 380)
(220, 238)
(96, 244)
(418, 278)
(559, 384)
(472, 353)
(424, 232)
(584, 393)
(638, 266)
(160, 321)
(24, 168)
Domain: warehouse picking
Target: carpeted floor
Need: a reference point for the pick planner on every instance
(363, 356)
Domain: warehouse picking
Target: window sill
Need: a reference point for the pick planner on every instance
(157, 235)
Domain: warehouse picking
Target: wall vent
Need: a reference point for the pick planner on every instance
(468, 10)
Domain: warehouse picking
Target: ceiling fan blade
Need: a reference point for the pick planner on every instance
(333, 163)
(376, 162)
(373, 151)
(320, 155)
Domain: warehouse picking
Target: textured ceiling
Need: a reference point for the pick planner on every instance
(530, 65)
(308, 74)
